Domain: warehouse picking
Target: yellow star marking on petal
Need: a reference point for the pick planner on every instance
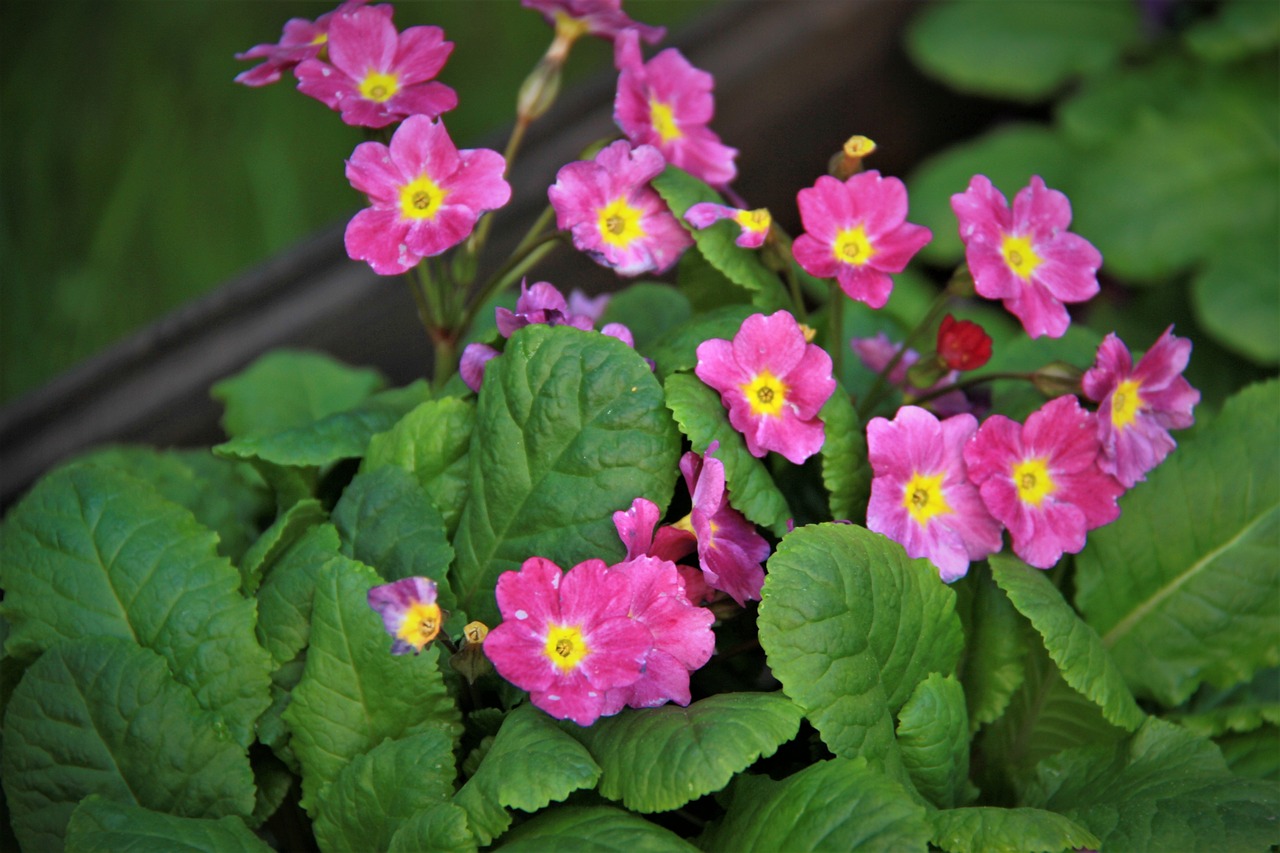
(754, 220)
(1031, 476)
(663, 119)
(379, 87)
(421, 198)
(1019, 255)
(766, 393)
(566, 647)
(421, 625)
(923, 497)
(619, 223)
(852, 246)
(1125, 403)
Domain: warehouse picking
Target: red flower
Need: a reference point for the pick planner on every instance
(962, 344)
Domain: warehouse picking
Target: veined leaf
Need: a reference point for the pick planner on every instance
(992, 830)
(649, 310)
(287, 593)
(277, 539)
(101, 825)
(846, 472)
(933, 734)
(1236, 299)
(600, 829)
(995, 645)
(440, 828)
(677, 350)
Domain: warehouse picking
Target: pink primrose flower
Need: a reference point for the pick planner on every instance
(1026, 256)
(475, 357)
(754, 224)
(856, 232)
(667, 103)
(614, 215)
(1042, 480)
(375, 76)
(921, 496)
(590, 306)
(729, 548)
(1138, 406)
(568, 638)
(300, 40)
(638, 530)
(409, 613)
(426, 195)
(772, 382)
(603, 18)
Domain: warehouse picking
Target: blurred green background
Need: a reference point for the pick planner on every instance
(136, 175)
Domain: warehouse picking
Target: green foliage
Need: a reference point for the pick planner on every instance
(649, 310)
(995, 645)
(933, 734)
(991, 830)
(101, 825)
(277, 539)
(846, 472)
(677, 350)
(592, 829)
(441, 827)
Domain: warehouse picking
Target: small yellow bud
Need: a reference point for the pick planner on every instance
(848, 160)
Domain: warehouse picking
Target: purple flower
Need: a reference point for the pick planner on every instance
(603, 18)
(300, 40)
(409, 613)
(729, 548)
(754, 224)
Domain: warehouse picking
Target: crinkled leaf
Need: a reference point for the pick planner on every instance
(1182, 587)
(103, 716)
(531, 763)
(570, 428)
(1241, 28)
(288, 592)
(658, 759)
(933, 734)
(649, 310)
(101, 825)
(846, 471)
(995, 646)
(677, 350)
(992, 830)
(1236, 299)
(1239, 708)
(94, 552)
(851, 625)
(1163, 788)
(440, 828)
(592, 829)
(277, 539)
(273, 780)
(832, 805)
(1072, 644)
(702, 417)
(1255, 754)
(354, 693)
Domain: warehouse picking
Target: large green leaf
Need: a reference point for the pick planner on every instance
(702, 417)
(658, 759)
(1241, 28)
(677, 350)
(101, 825)
(846, 471)
(933, 734)
(103, 716)
(832, 805)
(288, 592)
(288, 528)
(995, 645)
(851, 625)
(1236, 299)
(440, 828)
(1182, 587)
(530, 764)
(94, 552)
(649, 310)
(592, 829)
(354, 693)
(570, 428)
(992, 830)
(1163, 788)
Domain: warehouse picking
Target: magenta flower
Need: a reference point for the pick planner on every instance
(857, 233)
(300, 40)
(754, 224)
(772, 382)
(667, 103)
(567, 638)
(590, 306)
(426, 195)
(921, 496)
(409, 613)
(1026, 256)
(603, 18)
(1138, 406)
(375, 76)
(614, 215)
(638, 530)
(1042, 480)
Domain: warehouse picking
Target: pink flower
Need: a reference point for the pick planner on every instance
(426, 195)
(1138, 407)
(376, 77)
(614, 215)
(772, 382)
(590, 306)
(603, 18)
(729, 548)
(667, 103)
(1026, 256)
(475, 357)
(856, 232)
(754, 224)
(409, 613)
(301, 40)
(567, 638)
(637, 528)
(921, 496)
(1042, 480)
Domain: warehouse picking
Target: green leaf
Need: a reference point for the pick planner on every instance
(277, 539)
(995, 645)
(933, 734)
(1182, 587)
(531, 763)
(1018, 398)
(100, 825)
(592, 829)
(831, 805)
(94, 552)
(678, 349)
(1253, 754)
(570, 428)
(850, 626)
(1072, 644)
(431, 443)
(992, 830)
(702, 417)
(1242, 28)
(846, 471)
(104, 716)
(287, 593)
(1021, 51)
(380, 791)
(1236, 299)
(440, 828)
(1161, 789)
(290, 388)
(1240, 708)
(658, 759)
(354, 693)
(649, 310)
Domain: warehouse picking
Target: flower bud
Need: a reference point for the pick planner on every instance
(962, 344)
(848, 160)
(470, 660)
(1057, 379)
(539, 90)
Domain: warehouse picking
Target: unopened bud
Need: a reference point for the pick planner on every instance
(848, 160)
(925, 372)
(539, 90)
(809, 333)
(1057, 379)
(961, 283)
(470, 660)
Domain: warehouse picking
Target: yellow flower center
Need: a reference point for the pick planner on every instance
(1019, 255)
(619, 223)
(566, 647)
(421, 625)
(754, 220)
(1125, 403)
(664, 121)
(852, 246)
(1031, 476)
(379, 87)
(421, 198)
(766, 393)
(923, 497)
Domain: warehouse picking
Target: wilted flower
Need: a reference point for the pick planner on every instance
(754, 224)
(409, 613)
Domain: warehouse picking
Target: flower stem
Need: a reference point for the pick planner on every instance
(881, 385)
(532, 249)
(973, 381)
(835, 330)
